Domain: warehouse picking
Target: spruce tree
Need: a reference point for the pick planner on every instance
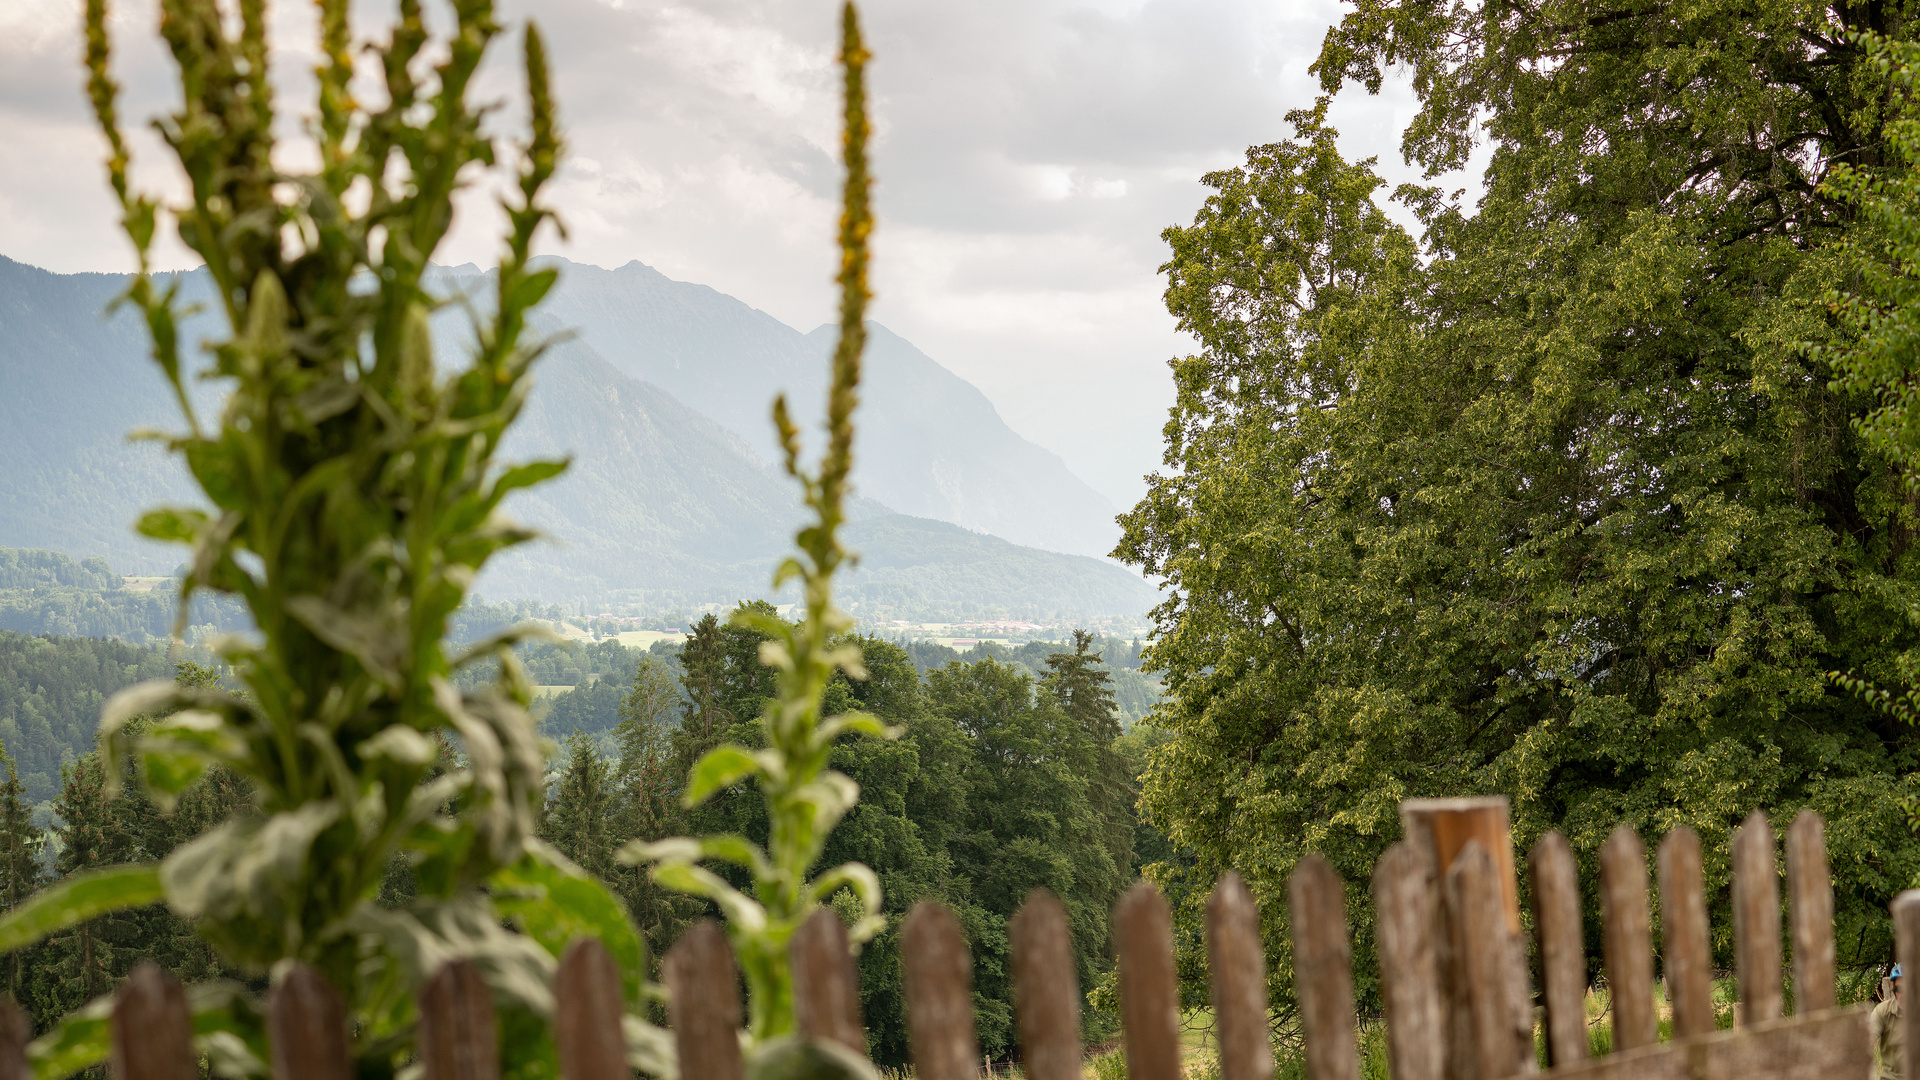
(20, 846)
(648, 801)
(576, 819)
(85, 960)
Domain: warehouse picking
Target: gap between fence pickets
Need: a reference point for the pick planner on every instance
(1447, 932)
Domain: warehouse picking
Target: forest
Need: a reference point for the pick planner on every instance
(1006, 778)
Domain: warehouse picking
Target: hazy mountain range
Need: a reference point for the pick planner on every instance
(660, 394)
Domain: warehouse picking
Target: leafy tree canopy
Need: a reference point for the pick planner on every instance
(1557, 502)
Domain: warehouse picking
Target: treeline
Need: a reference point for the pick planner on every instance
(91, 829)
(51, 690)
(46, 592)
(1004, 779)
(1000, 782)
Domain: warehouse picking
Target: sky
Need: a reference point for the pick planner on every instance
(1028, 154)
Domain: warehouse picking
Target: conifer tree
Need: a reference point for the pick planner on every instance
(577, 818)
(84, 959)
(20, 846)
(648, 801)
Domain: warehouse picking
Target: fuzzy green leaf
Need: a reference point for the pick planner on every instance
(721, 767)
(79, 898)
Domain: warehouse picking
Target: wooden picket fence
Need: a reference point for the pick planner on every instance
(1456, 985)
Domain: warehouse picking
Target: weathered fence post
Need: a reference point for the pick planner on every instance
(1627, 930)
(1756, 920)
(153, 1028)
(1906, 951)
(1563, 957)
(458, 1039)
(307, 1028)
(826, 989)
(1410, 992)
(16, 1031)
(1323, 969)
(588, 1009)
(939, 991)
(1237, 960)
(1683, 934)
(1149, 999)
(703, 1003)
(1473, 895)
(1440, 829)
(1810, 893)
(1046, 988)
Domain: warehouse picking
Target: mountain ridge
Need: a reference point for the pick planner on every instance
(661, 506)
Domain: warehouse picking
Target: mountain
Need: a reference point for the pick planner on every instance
(662, 506)
(932, 444)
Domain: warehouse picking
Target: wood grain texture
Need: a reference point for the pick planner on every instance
(1046, 988)
(1149, 998)
(458, 1038)
(826, 988)
(1626, 934)
(1473, 894)
(307, 1028)
(1756, 920)
(16, 1031)
(152, 1028)
(1563, 954)
(1405, 910)
(703, 1003)
(1683, 934)
(1438, 829)
(939, 991)
(1810, 903)
(1818, 1046)
(1444, 826)
(1323, 969)
(1906, 950)
(588, 1008)
(1236, 959)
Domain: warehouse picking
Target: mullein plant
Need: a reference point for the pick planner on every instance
(353, 494)
(804, 798)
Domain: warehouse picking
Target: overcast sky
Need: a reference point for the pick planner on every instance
(1028, 154)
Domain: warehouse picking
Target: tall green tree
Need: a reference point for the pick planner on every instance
(581, 812)
(1558, 503)
(648, 800)
(86, 960)
(21, 845)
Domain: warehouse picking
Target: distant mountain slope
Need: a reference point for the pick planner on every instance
(662, 504)
(75, 383)
(937, 448)
(933, 446)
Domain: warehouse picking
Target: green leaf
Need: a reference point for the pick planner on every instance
(81, 1039)
(79, 898)
(743, 912)
(529, 290)
(526, 476)
(721, 767)
(172, 523)
(553, 901)
(855, 723)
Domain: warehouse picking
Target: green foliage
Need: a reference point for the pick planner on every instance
(355, 494)
(1560, 507)
(26, 568)
(51, 693)
(804, 799)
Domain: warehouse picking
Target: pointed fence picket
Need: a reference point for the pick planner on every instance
(1456, 985)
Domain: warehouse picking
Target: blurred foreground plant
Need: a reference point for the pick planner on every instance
(354, 493)
(804, 798)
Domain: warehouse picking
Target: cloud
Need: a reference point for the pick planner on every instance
(1028, 153)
